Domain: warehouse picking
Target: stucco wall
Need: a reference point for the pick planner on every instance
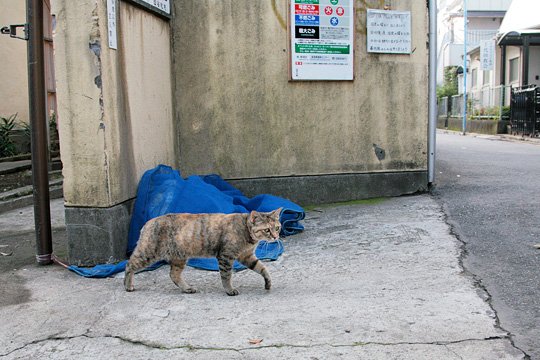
(239, 116)
(13, 72)
(115, 106)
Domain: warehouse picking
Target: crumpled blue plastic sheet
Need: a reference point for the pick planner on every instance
(162, 190)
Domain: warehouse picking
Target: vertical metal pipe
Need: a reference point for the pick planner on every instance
(525, 61)
(38, 124)
(464, 123)
(432, 123)
(503, 65)
(502, 95)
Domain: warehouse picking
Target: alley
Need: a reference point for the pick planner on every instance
(490, 190)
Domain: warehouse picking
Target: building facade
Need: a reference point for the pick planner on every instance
(206, 89)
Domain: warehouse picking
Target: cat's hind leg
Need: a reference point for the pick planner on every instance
(146, 252)
(177, 266)
(134, 264)
(225, 270)
(251, 262)
(138, 261)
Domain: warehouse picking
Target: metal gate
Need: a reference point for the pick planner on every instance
(525, 111)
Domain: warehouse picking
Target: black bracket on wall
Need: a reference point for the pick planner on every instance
(11, 30)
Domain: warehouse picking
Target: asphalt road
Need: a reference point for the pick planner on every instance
(490, 189)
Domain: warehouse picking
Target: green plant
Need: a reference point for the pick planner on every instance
(27, 130)
(492, 112)
(450, 86)
(53, 132)
(7, 146)
(506, 111)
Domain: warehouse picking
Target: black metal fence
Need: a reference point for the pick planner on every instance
(525, 111)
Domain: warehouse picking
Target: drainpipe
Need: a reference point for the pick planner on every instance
(38, 124)
(432, 123)
(464, 123)
(502, 80)
(525, 62)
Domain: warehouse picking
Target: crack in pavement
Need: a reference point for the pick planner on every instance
(157, 346)
(463, 253)
(54, 337)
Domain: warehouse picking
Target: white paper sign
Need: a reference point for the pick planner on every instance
(322, 34)
(389, 31)
(487, 54)
(111, 18)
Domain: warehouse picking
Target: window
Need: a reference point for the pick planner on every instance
(514, 69)
(486, 77)
(474, 77)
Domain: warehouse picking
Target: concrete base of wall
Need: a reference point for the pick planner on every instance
(489, 127)
(98, 235)
(323, 189)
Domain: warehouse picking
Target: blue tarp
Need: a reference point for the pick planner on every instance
(162, 190)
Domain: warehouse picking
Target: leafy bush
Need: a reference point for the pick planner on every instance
(450, 86)
(7, 146)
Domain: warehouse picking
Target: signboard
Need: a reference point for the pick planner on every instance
(111, 29)
(322, 39)
(160, 7)
(389, 31)
(487, 54)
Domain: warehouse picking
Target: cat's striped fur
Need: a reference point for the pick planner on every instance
(178, 237)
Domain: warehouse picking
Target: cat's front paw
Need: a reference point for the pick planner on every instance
(190, 290)
(232, 292)
(267, 284)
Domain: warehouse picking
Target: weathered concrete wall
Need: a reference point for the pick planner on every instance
(115, 106)
(115, 115)
(239, 116)
(13, 71)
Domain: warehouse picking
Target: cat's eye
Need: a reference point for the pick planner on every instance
(277, 228)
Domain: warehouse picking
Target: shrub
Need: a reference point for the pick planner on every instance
(7, 146)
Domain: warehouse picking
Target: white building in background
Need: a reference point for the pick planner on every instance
(509, 31)
(519, 41)
(484, 19)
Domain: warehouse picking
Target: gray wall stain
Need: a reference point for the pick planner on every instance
(379, 152)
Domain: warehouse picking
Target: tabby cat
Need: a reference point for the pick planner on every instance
(178, 237)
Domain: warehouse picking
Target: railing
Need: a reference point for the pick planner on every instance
(474, 37)
(485, 103)
(525, 111)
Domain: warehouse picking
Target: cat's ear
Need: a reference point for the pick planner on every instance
(252, 216)
(276, 213)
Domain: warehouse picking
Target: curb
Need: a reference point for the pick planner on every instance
(13, 167)
(507, 137)
(22, 197)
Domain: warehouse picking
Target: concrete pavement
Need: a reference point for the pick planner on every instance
(372, 280)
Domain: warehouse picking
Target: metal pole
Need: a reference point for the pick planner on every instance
(502, 95)
(432, 122)
(525, 62)
(464, 124)
(38, 125)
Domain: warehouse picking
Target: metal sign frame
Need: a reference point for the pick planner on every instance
(333, 65)
(157, 9)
